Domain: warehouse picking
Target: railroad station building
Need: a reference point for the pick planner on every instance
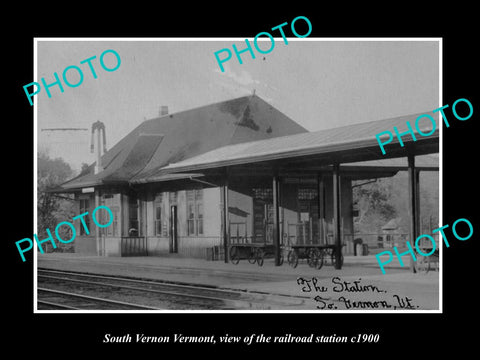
(238, 171)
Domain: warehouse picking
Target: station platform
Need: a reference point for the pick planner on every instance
(270, 279)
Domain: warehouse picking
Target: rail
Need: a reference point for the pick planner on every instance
(180, 292)
(87, 298)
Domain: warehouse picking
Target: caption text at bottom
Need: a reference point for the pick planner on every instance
(247, 339)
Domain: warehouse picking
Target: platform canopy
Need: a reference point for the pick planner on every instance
(352, 145)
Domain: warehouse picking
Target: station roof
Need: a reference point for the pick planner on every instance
(355, 144)
(178, 136)
(248, 133)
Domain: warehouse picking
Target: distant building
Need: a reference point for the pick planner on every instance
(391, 233)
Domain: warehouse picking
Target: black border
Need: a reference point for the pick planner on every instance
(399, 332)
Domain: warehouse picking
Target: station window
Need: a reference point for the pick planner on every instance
(158, 205)
(195, 212)
(84, 207)
(307, 194)
(173, 197)
(110, 201)
(265, 194)
(134, 216)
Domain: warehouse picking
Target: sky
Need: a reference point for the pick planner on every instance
(319, 83)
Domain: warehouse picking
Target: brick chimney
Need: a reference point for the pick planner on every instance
(163, 110)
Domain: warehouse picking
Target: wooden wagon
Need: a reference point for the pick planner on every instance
(253, 252)
(316, 255)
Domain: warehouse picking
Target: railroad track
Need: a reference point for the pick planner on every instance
(151, 294)
(62, 300)
(251, 276)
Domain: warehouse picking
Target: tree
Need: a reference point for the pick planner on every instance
(84, 168)
(52, 209)
(387, 198)
(374, 201)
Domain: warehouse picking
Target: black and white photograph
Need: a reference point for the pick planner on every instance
(227, 181)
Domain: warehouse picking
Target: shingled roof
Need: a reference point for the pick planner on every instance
(176, 137)
(351, 138)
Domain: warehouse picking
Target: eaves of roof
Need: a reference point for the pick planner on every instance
(350, 138)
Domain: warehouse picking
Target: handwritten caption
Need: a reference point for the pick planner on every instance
(247, 339)
(340, 294)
